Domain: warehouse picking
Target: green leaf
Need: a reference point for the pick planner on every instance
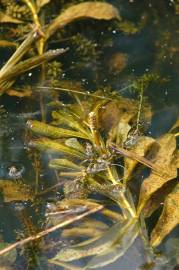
(64, 117)
(74, 143)
(114, 237)
(64, 163)
(51, 131)
(128, 235)
(45, 144)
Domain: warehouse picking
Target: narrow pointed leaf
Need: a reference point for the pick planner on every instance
(97, 247)
(64, 163)
(51, 131)
(44, 144)
(30, 64)
(123, 242)
(74, 143)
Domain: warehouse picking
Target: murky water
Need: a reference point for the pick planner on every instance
(153, 49)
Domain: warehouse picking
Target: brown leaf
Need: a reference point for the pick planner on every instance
(169, 218)
(14, 191)
(113, 111)
(95, 10)
(157, 199)
(140, 148)
(163, 159)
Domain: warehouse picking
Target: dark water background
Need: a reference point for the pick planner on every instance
(142, 58)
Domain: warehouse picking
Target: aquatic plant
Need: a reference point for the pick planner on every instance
(112, 177)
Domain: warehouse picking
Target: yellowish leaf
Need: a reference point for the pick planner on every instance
(140, 148)
(169, 218)
(95, 10)
(164, 154)
(4, 18)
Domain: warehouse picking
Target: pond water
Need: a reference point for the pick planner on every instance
(123, 57)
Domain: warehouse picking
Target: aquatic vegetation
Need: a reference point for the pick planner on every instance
(107, 176)
(92, 163)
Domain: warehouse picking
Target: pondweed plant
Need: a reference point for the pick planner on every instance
(95, 143)
(105, 163)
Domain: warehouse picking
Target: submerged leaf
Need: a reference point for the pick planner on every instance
(53, 132)
(45, 144)
(164, 154)
(140, 148)
(5, 18)
(169, 218)
(119, 248)
(64, 163)
(95, 10)
(118, 134)
(120, 237)
(74, 143)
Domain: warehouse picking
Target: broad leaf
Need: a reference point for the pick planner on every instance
(140, 148)
(164, 154)
(95, 10)
(169, 218)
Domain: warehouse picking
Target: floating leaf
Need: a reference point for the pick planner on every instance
(95, 10)
(169, 218)
(14, 191)
(164, 154)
